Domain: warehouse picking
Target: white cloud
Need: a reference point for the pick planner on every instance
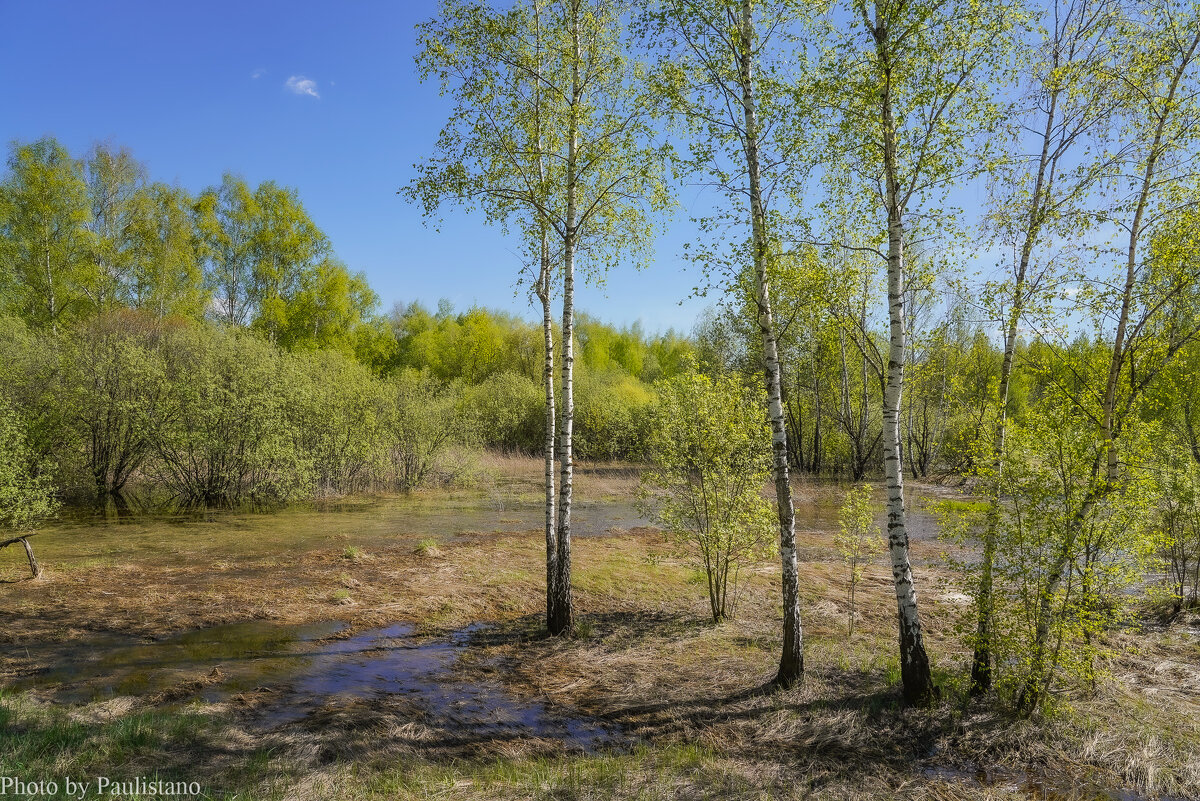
(298, 84)
(258, 73)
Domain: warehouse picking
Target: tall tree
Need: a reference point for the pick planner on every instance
(225, 219)
(287, 250)
(44, 244)
(1039, 195)
(114, 181)
(550, 123)
(1145, 316)
(911, 79)
(166, 262)
(720, 75)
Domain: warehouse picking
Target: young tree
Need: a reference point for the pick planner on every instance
(1040, 195)
(1046, 628)
(708, 445)
(858, 542)
(551, 122)
(911, 81)
(720, 77)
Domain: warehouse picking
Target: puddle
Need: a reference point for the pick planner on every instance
(303, 671)
(1037, 785)
(391, 663)
(106, 665)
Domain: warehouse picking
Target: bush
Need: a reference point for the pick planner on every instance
(26, 490)
(427, 418)
(342, 417)
(226, 433)
(114, 387)
(711, 450)
(612, 416)
(509, 411)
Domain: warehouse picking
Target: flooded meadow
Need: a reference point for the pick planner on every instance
(387, 646)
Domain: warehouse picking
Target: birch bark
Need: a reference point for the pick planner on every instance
(562, 620)
(915, 674)
(791, 660)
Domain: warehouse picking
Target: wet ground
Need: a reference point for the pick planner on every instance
(365, 522)
(348, 635)
(294, 671)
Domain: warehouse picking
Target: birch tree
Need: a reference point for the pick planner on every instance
(720, 73)
(114, 181)
(911, 81)
(44, 244)
(1042, 195)
(1145, 313)
(551, 124)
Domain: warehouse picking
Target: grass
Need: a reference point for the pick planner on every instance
(428, 547)
(645, 659)
(44, 742)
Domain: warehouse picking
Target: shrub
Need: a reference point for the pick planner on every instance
(226, 434)
(710, 448)
(509, 411)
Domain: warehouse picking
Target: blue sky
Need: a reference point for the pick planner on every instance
(197, 89)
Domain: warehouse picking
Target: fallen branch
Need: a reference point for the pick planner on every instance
(34, 567)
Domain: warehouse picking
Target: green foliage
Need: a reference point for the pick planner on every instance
(543, 131)
(342, 416)
(225, 434)
(114, 389)
(509, 410)
(497, 357)
(26, 488)
(44, 270)
(83, 237)
(710, 446)
(1067, 556)
(611, 415)
(428, 418)
(859, 541)
(1179, 516)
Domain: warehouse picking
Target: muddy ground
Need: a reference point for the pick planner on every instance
(383, 648)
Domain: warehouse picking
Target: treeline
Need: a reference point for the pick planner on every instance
(217, 414)
(212, 347)
(80, 237)
(213, 415)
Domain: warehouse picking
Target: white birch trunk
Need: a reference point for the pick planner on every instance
(791, 661)
(562, 615)
(915, 674)
(543, 293)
